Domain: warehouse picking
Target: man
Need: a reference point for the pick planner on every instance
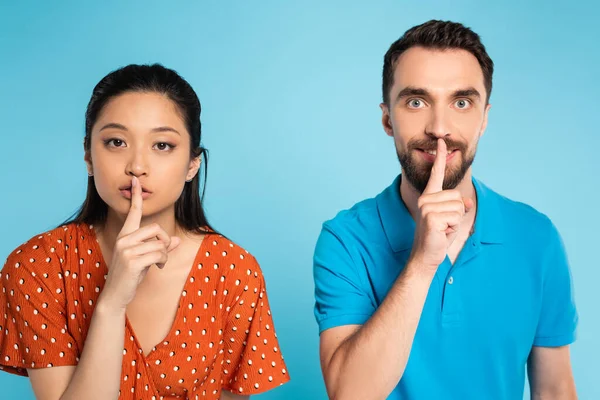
(440, 288)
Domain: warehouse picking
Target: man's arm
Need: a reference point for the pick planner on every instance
(367, 362)
(550, 375)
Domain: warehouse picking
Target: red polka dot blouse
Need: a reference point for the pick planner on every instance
(222, 337)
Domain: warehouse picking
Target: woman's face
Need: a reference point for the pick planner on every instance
(143, 135)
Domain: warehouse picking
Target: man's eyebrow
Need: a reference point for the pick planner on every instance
(416, 91)
(468, 92)
(412, 91)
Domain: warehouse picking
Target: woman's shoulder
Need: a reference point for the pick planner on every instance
(225, 254)
(52, 238)
(218, 244)
(47, 248)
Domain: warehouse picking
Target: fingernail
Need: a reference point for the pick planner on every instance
(134, 181)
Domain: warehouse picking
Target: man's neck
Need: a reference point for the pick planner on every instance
(410, 196)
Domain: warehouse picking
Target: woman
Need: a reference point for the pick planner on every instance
(137, 297)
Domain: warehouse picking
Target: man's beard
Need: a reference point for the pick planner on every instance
(417, 173)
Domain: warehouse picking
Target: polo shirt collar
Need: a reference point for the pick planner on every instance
(399, 225)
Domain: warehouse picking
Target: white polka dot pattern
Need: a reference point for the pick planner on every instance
(222, 337)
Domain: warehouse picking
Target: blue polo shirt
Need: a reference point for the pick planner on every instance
(509, 289)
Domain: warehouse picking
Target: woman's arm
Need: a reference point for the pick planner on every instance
(98, 374)
(225, 395)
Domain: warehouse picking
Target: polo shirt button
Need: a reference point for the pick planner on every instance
(450, 280)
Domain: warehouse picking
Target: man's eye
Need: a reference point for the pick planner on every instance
(415, 103)
(462, 104)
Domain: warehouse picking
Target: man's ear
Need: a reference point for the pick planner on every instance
(386, 120)
(485, 120)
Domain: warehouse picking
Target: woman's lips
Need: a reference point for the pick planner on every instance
(127, 193)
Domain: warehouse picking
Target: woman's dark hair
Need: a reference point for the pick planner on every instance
(437, 35)
(155, 78)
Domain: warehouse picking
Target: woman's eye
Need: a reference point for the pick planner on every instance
(114, 143)
(163, 146)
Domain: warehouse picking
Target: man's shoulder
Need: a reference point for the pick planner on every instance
(359, 218)
(515, 215)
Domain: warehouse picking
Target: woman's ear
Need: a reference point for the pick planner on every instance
(88, 162)
(193, 168)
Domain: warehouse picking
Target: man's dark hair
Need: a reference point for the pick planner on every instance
(437, 35)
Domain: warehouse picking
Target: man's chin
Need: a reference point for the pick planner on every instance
(420, 181)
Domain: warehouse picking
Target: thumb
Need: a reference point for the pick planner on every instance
(175, 241)
(469, 204)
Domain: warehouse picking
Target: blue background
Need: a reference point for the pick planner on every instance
(290, 94)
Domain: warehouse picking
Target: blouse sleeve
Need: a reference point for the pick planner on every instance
(253, 360)
(33, 322)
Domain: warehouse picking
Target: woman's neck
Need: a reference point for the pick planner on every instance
(109, 231)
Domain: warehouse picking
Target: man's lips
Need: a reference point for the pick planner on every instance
(433, 151)
(430, 155)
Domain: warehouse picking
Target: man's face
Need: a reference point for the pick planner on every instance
(436, 94)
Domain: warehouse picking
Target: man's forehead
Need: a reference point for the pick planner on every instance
(437, 70)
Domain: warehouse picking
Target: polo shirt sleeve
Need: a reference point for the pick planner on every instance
(340, 295)
(558, 317)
